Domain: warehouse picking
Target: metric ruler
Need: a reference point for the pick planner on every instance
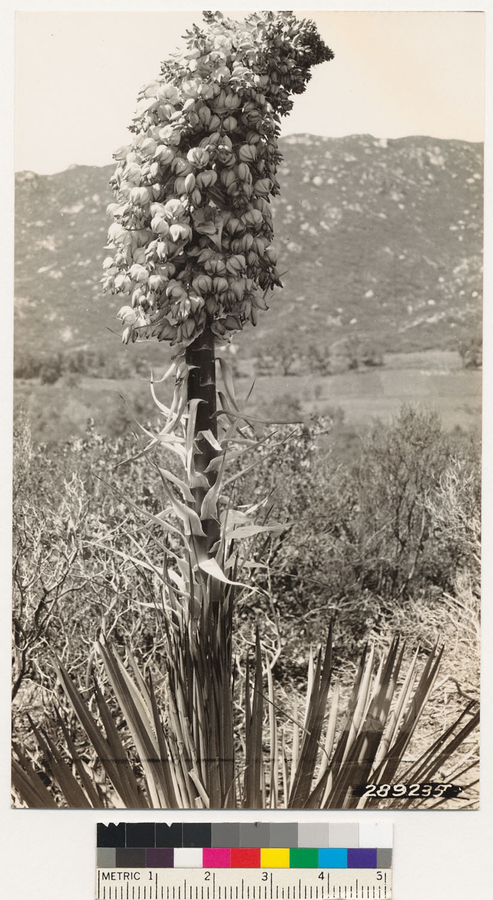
(263, 861)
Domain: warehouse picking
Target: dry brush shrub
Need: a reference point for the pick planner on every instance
(68, 587)
(381, 542)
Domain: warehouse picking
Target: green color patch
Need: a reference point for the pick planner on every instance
(303, 858)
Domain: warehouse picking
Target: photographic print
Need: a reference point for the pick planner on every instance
(247, 438)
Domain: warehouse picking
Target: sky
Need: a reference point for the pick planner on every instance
(77, 75)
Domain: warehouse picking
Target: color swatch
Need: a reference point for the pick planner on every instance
(233, 845)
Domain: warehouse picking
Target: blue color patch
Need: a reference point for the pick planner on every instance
(332, 858)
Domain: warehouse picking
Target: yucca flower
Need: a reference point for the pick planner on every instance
(205, 154)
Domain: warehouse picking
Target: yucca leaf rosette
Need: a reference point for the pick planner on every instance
(192, 228)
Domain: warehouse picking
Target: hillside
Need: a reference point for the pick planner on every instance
(380, 241)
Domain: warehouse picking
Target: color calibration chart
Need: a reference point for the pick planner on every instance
(244, 861)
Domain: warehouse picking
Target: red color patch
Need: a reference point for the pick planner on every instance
(245, 857)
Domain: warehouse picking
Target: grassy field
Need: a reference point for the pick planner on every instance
(434, 379)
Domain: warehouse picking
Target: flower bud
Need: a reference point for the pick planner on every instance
(225, 156)
(251, 118)
(235, 264)
(159, 226)
(188, 329)
(262, 186)
(164, 154)
(252, 137)
(232, 101)
(174, 209)
(127, 315)
(228, 177)
(230, 123)
(232, 323)
(198, 156)
(190, 88)
(252, 217)
(247, 153)
(205, 255)
(215, 266)
(205, 116)
(214, 124)
(167, 332)
(133, 173)
(206, 91)
(181, 166)
(156, 282)
(244, 173)
(168, 270)
(139, 273)
(222, 74)
(148, 147)
(202, 284)
(175, 290)
(139, 196)
(196, 303)
(180, 233)
(127, 335)
(168, 92)
(252, 258)
(219, 284)
(165, 111)
(238, 288)
(234, 226)
(206, 179)
(218, 328)
(196, 197)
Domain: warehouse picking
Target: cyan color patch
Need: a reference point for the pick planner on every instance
(332, 858)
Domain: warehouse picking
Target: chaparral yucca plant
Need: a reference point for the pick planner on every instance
(192, 256)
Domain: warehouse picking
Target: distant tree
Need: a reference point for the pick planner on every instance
(51, 369)
(471, 352)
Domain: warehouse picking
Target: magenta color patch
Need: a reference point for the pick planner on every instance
(217, 858)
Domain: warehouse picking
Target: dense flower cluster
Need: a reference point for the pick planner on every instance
(192, 224)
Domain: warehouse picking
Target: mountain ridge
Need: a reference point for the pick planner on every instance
(382, 239)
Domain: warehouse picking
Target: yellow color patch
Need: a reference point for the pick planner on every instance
(274, 858)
